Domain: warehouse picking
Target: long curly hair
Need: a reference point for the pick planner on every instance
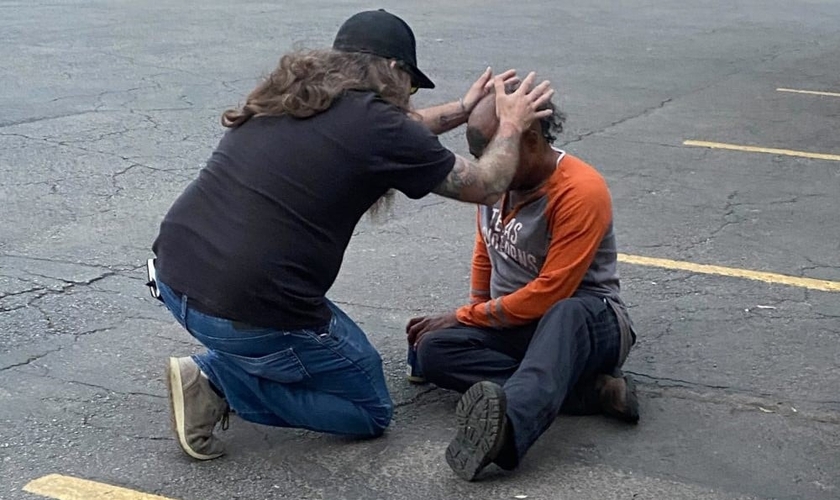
(306, 82)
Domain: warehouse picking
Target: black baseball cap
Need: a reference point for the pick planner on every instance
(385, 35)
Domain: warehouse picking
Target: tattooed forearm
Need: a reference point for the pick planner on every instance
(449, 121)
(499, 162)
(487, 179)
(443, 118)
(462, 178)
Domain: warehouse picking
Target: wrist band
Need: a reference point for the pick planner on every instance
(463, 107)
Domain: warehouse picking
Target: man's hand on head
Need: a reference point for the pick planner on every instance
(417, 327)
(486, 180)
(484, 86)
(440, 119)
(520, 108)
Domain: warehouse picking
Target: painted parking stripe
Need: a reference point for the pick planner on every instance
(756, 149)
(811, 92)
(72, 488)
(778, 279)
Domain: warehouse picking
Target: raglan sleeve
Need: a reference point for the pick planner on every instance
(578, 226)
(481, 270)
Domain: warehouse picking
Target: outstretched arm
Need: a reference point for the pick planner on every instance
(486, 180)
(445, 117)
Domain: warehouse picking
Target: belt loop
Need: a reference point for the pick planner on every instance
(184, 308)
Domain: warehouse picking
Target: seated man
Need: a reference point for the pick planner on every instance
(546, 330)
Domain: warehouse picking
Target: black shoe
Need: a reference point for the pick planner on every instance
(481, 430)
(617, 394)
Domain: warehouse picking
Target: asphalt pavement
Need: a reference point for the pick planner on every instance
(109, 108)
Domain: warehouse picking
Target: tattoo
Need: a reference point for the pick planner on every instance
(487, 179)
(443, 118)
(463, 175)
(448, 122)
(501, 159)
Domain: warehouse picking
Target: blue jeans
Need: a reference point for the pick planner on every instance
(326, 379)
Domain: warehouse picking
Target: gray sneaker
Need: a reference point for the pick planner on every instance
(196, 409)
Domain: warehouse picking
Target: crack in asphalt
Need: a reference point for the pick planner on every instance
(728, 211)
(75, 144)
(381, 308)
(22, 292)
(74, 283)
(621, 121)
(814, 265)
(676, 381)
(175, 172)
(31, 359)
(67, 284)
(747, 402)
(718, 81)
(100, 387)
(66, 144)
(46, 291)
(653, 108)
(86, 422)
(168, 69)
(739, 399)
(769, 398)
(415, 398)
(27, 121)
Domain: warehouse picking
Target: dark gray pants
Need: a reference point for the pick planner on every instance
(544, 367)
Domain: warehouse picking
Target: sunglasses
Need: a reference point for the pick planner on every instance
(401, 65)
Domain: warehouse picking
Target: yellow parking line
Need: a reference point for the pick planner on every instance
(811, 92)
(780, 279)
(72, 488)
(755, 149)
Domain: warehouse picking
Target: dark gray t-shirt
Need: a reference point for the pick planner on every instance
(260, 235)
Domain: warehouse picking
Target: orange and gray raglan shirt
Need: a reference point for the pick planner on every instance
(554, 244)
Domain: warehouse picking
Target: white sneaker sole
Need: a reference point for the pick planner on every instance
(176, 398)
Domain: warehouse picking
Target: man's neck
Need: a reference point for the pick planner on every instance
(547, 167)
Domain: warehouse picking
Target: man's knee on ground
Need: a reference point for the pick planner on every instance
(377, 420)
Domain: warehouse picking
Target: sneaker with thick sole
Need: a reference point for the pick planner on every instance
(481, 430)
(617, 394)
(196, 409)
